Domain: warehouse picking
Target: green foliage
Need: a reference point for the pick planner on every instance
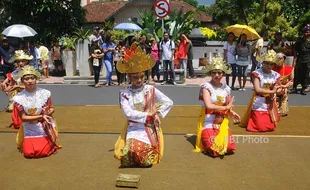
(273, 19)
(108, 26)
(68, 43)
(148, 23)
(179, 23)
(176, 24)
(119, 35)
(262, 15)
(50, 18)
(82, 33)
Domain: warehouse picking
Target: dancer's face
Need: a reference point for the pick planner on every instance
(21, 63)
(267, 66)
(137, 79)
(30, 82)
(217, 75)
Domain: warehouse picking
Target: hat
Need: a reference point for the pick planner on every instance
(20, 55)
(278, 32)
(152, 39)
(135, 60)
(27, 70)
(218, 63)
(270, 56)
(306, 28)
(96, 28)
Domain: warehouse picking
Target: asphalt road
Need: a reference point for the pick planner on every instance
(181, 95)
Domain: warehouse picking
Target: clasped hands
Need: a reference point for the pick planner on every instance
(45, 115)
(154, 114)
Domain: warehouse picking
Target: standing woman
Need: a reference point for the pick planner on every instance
(155, 54)
(243, 52)
(141, 142)
(262, 113)
(214, 136)
(230, 58)
(286, 81)
(96, 58)
(37, 136)
(108, 49)
(119, 51)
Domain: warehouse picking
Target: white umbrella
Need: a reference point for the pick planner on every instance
(127, 26)
(19, 30)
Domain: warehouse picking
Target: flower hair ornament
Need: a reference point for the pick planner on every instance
(20, 55)
(135, 60)
(270, 56)
(218, 63)
(28, 70)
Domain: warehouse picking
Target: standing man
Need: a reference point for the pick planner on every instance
(167, 48)
(190, 57)
(6, 52)
(95, 35)
(278, 43)
(183, 50)
(301, 61)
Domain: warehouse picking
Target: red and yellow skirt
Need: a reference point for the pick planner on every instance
(137, 153)
(208, 136)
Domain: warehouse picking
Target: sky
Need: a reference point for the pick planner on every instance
(206, 2)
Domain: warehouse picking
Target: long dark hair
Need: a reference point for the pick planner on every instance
(239, 40)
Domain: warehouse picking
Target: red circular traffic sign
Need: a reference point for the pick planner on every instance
(162, 8)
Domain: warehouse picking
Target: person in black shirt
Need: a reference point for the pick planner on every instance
(302, 60)
(96, 55)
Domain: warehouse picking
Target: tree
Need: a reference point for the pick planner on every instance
(273, 19)
(228, 12)
(50, 18)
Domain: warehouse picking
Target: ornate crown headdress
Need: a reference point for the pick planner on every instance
(27, 70)
(20, 55)
(218, 63)
(135, 60)
(270, 56)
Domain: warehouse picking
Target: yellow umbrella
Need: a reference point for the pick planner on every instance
(239, 29)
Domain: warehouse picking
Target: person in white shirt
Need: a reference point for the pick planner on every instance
(230, 58)
(167, 47)
(141, 142)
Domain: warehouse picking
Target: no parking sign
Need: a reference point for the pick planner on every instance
(162, 8)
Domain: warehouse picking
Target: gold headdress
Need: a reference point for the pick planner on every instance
(270, 56)
(217, 63)
(27, 70)
(135, 60)
(20, 55)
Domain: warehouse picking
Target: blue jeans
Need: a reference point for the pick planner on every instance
(169, 63)
(108, 65)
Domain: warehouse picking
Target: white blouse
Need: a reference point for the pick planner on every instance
(32, 103)
(132, 103)
(219, 96)
(266, 81)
